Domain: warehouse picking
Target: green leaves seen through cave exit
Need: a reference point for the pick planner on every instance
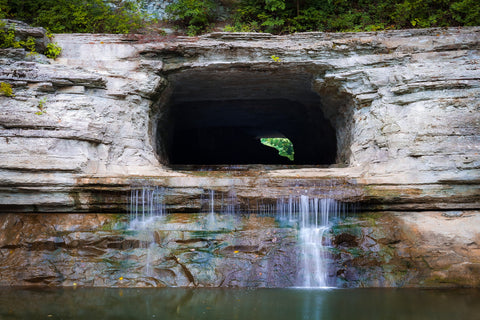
(283, 145)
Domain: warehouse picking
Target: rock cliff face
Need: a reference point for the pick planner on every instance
(403, 106)
(382, 249)
(390, 120)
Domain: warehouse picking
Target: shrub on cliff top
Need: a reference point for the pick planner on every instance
(91, 16)
(193, 15)
(286, 16)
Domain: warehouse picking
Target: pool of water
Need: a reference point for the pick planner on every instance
(275, 304)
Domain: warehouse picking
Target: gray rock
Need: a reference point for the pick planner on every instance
(452, 214)
(23, 31)
(404, 106)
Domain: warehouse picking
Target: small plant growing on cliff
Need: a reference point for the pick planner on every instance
(41, 106)
(6, 89)
(53, 50)
(275, 58)
(30, 46)
(8, 40)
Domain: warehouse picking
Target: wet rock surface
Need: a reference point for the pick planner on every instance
(383, 249)
(407, 249)
(182, 250)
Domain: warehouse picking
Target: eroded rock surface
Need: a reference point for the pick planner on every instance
(183, 250)
(387, 249)
(404, 105)
(397, 249)
(82, 130)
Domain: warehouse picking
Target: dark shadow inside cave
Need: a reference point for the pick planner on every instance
(215, 117)
(229, 132)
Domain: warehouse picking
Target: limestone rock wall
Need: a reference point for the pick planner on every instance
(80, 131)
(404, 104)
(180, 251)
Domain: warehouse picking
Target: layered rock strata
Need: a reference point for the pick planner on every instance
(404, 105)
(382, 249)
(81, 131)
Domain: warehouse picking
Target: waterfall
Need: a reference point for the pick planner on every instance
(146, 205)
(211, 215)
(313, 217)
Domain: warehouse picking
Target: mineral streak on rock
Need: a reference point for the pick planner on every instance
(382, 249)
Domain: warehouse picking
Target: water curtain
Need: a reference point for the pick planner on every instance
(312, 216)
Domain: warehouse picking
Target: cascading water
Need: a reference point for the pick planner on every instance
(146, 205)
(313, 216)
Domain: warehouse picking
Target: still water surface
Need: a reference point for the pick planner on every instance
(231, 304)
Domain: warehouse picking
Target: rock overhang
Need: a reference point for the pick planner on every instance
(401, 117)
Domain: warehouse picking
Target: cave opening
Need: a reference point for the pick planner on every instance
(218, 117)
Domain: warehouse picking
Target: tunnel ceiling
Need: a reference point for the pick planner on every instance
(246, 84)
(218, 117)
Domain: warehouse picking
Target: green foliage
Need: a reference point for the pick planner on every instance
(53, 50)
(193, 15)
(30, 44)
(466, 12)
(112, 16)
(275, 58)
(8, 40)
(6, 89)
(275, 16)
(4, 8)
(283, 145)
(41, 106)
(286, 16)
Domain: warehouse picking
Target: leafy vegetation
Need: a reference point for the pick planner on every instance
(275, 58)
(286, 16)
(114, 16)
(6, 89)
(275, 16)
(283, 145)
(41, 106)
(53, 50)
(193, 15)
(8, 39)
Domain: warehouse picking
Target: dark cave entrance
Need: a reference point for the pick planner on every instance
(216, 117)
(229, 132)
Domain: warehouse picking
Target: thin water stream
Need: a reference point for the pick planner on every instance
(312, 216)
